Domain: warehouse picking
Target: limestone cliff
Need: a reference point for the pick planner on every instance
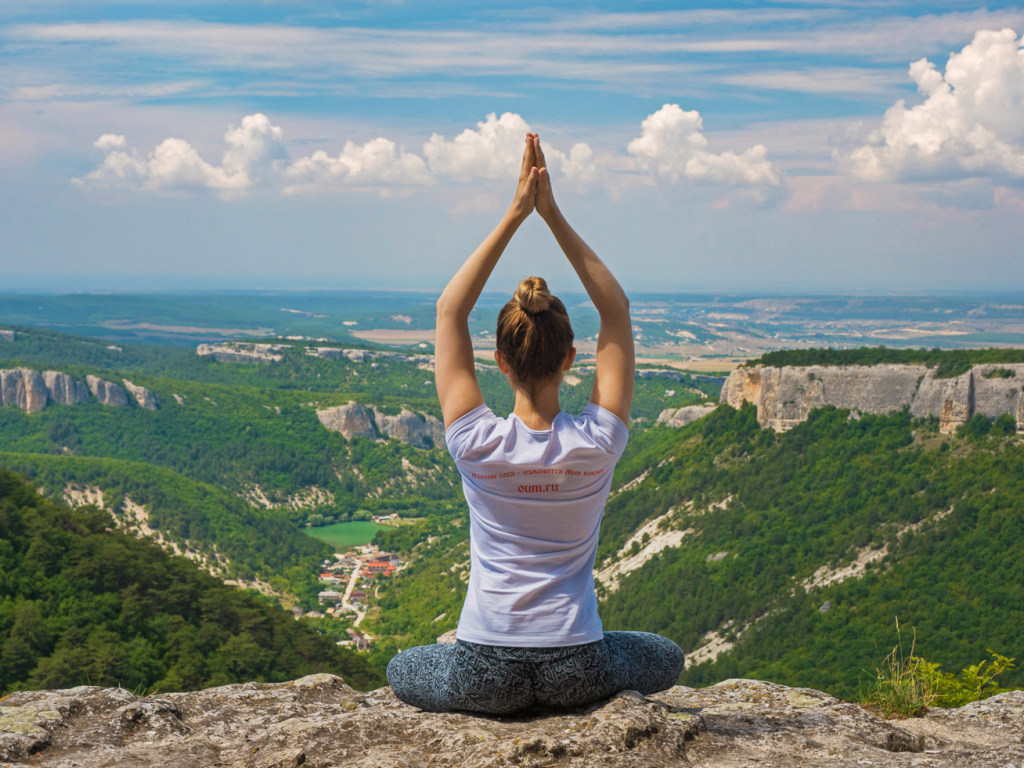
(6, 335)
(416, 429)
(364, 355)
(319, 722)
(23, 388)
(144, 397)
(785, 396)
(65, 390)
(235, 352)
(680, 417)
(107, 392)
(352, 420)
(32, 391)
(356, 420)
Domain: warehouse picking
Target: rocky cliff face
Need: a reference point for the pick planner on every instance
(63, 389)
(144, 397)
(235, 352)
(32, 391)
(364, 355)
(355, 420)
(318, 721)
(680, 417)
(416, 429)
(107, 392)
(785, 396)
(6, 335)
(24, 388)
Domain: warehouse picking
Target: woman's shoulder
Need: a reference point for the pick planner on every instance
(477, 426)
(603, 427)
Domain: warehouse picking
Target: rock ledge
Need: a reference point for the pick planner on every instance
(318, 721)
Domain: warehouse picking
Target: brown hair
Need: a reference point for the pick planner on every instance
(534, 334)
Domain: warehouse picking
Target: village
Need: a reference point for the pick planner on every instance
(351, 576)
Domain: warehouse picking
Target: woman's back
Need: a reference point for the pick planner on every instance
(535, 499)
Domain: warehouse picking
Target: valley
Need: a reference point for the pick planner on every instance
(785, 555)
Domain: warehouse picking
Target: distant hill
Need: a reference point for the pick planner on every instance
(82, 604)
(788, 556)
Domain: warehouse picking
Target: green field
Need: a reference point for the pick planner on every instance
(344, 535)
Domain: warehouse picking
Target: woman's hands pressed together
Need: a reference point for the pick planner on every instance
(534, 188)
(526, 189)
(545, 200)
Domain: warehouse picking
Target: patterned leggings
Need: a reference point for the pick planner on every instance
(498, 680)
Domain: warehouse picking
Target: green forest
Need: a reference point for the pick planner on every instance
(947, 509)
(82, 604)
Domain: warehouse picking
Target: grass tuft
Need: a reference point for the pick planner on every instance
(901, 686)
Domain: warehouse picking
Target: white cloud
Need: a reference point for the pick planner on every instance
(378, 161)
(494, 151)
(970, 125)
(256, 156)
(78, 91)
(109, 141)
(256, 151)
(672, 144)
(672, 147)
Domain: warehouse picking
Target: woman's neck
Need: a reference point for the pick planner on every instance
(537, 404)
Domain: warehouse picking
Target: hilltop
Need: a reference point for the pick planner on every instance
(319, 721)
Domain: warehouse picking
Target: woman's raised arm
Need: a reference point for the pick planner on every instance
(454, 366)
(613, 383)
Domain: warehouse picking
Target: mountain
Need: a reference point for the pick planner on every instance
(81, 603)
(789, 556)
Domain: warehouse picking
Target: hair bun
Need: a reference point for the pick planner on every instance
(532, 295)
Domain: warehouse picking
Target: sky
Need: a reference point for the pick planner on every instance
(851, 146)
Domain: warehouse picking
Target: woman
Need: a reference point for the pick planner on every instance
(536, 484)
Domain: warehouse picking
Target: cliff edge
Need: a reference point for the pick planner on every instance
(784, 396)
(319, 721)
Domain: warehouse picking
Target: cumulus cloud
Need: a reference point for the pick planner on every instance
(109, 142)
(970, 125)
(256, 156)
(378, 161)
(672, 146)
(255, 153)
(494, 151)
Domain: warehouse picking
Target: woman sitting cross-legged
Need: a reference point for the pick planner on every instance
(536, 485)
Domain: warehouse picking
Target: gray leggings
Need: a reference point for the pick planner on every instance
(498, 680)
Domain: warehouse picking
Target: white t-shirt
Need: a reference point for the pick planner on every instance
(535, 503)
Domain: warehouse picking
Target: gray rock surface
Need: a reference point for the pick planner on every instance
(23, 388)
(680, 417)
(63, 389)
(236, 352)
(364, 355)
(6, 335)
(416, 429)
(144, 397)
(318, 722)
(785, 396)
(356, 420)
(107, 392)
(351, 419)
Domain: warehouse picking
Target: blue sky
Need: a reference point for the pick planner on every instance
(755, 146)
